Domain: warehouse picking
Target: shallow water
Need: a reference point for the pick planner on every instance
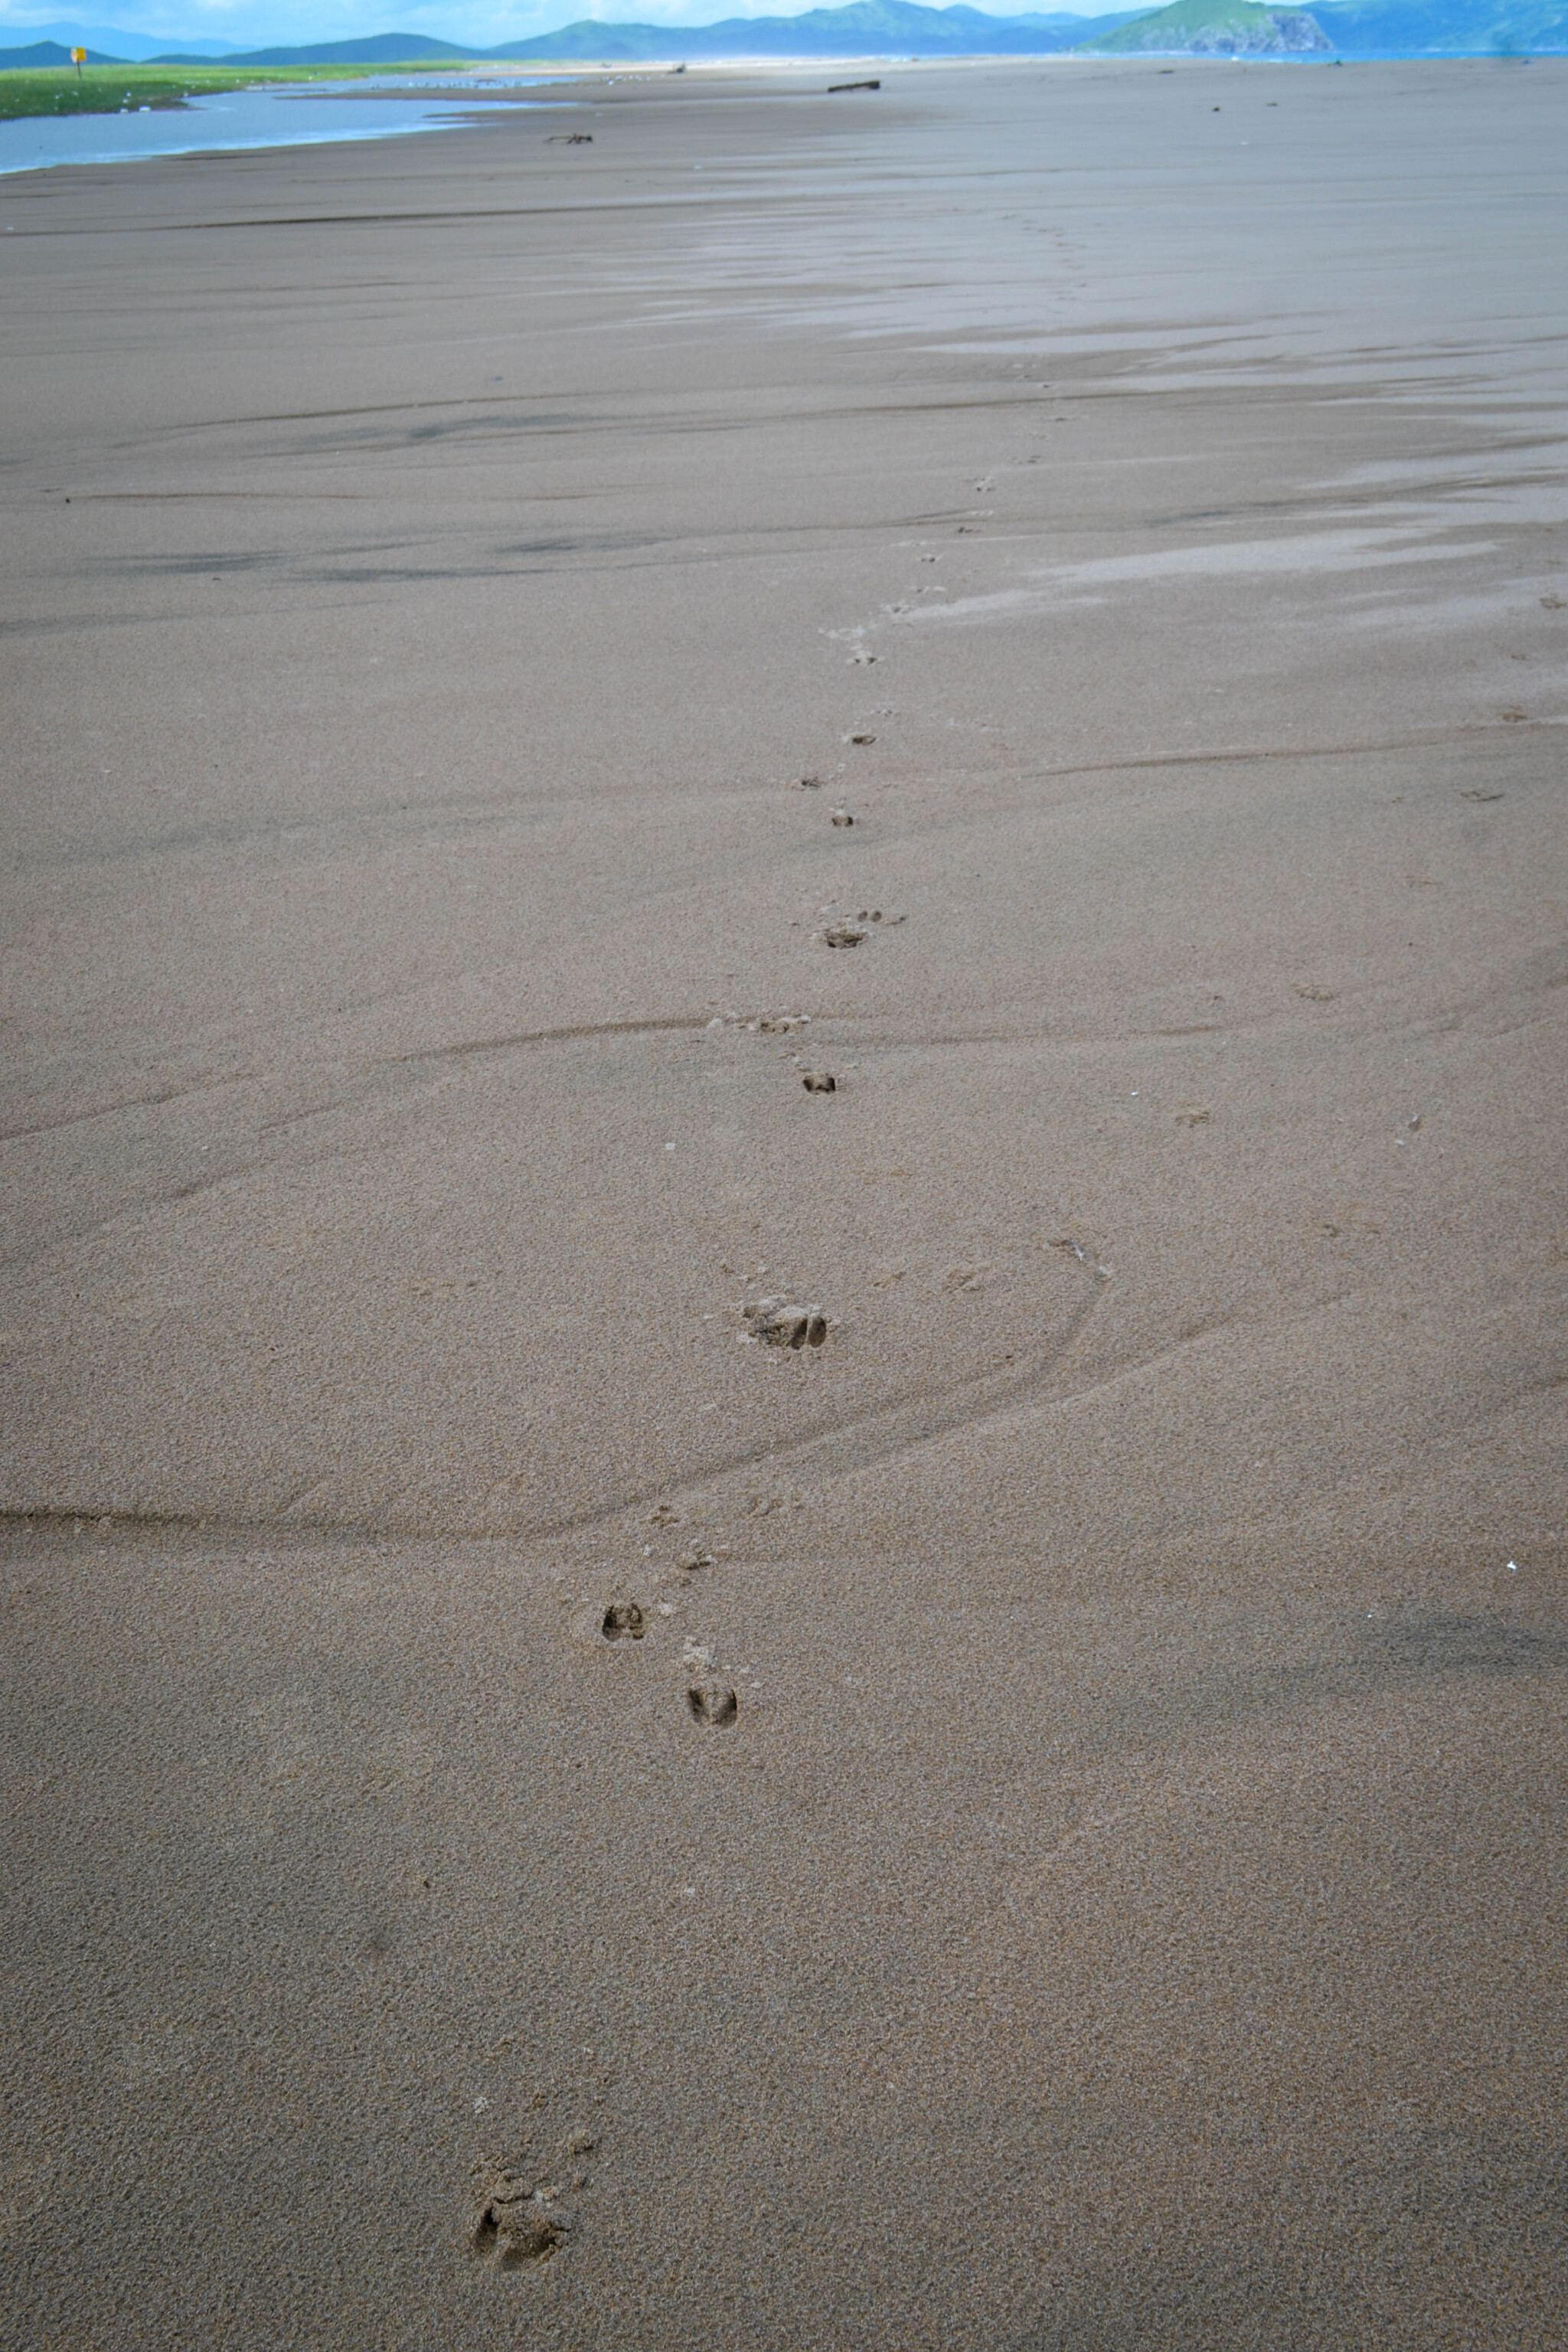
(298, 117)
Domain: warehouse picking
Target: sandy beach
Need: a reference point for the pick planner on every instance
(540, 1813)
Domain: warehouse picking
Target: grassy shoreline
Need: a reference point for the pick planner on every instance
(124, 89)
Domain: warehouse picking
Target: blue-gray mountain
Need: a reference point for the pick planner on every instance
(39, 54)
(1352, 28)
(118, 47)
(1445, 28)
(877, 27)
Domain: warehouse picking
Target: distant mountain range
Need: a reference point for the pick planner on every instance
(1349, 28)
(119, 48)
(864, 27)
(1445, 28)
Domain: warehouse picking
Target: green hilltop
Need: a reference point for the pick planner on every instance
(1224, 28)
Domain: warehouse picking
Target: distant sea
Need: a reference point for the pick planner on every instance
(302, 117)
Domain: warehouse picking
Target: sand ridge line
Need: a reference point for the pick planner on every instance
(506, 1044)
(638, 206)
(112, 1110)
(263, 498)
(464, 1048)
(217, 1527)
(52, 623)
(683, 417)
(473, 810)
(499, 805)
(1246, 755)
(984, 1399)
(967, 1402)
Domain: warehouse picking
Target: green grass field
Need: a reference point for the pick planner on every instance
(121, 89)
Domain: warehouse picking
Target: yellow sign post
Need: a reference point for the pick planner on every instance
(78, 59)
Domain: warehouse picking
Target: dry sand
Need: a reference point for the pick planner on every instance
(1126, 1909)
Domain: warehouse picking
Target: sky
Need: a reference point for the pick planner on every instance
(256, 24)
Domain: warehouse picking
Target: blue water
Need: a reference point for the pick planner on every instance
(301, 117)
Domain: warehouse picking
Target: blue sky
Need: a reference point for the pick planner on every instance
(253, 24)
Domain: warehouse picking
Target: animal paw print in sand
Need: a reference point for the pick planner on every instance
(849, 935)
(778, 1324)
(517, 2220)
(819, 1082)
(518, 2213)
(713, 1704)
(611, 1618)
(762, 1504)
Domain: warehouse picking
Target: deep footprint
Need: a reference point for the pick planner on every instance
(714, 1704)
(514, 2227)
(778, 1324)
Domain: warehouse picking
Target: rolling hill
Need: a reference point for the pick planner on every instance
(1217, 28)
(1352, 28)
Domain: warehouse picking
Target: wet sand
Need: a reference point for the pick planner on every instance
(1125, 1907)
